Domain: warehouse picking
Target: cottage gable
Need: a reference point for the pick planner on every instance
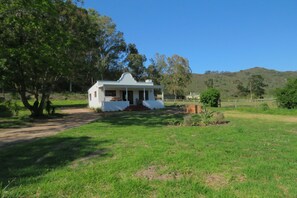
(127, 79)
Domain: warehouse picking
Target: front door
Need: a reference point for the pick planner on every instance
(141, 95)
(130, 96)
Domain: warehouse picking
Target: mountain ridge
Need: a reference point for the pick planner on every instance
(225, 81)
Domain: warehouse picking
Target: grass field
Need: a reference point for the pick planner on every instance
(137, 154)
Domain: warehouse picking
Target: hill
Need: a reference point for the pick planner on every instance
(225, 81)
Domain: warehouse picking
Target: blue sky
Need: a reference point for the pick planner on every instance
(220, 35)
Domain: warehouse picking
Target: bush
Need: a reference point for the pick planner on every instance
(264, 106)
(188, 120)
(287, 96)
(174, 122)
(218, 118)
(206, 117)
(6, 109)
(210, 97)
(192, 120)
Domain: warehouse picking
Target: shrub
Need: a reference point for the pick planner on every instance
(218, 118)
(206, 117)
(173, 122)
(188, 120)
(192, 120)
(98, 110)
(287, 96)
(210, 97)
(264, 106)
(6, 109)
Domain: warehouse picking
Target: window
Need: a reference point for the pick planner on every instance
(90, 97)
(110, 93)
(95, 94)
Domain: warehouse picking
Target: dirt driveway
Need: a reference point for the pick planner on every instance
(42, 128)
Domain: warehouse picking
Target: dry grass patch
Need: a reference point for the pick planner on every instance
(216, 180)
(155, 173)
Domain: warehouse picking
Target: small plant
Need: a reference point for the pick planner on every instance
(192, 120)
(188, 121)
(173, 122)
(206, 117)
(196, 119)
(264, 106)
(6, 109)
(98, 110)
(218, 118)
(16, 108)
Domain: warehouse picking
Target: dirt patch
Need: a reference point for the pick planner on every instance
(240, 178)
(216, 180)
(155, 173)
(42, 128)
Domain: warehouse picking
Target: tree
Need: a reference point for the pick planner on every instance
(110, 50)
(256, 86)
(156, 70)
(210, 97)
(287, 96)
(135, 62)
(242, 90)
(41, 41)
(209, 83)
(178, 75)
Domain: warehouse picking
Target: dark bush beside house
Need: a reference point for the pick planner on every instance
(210, 97)
(287, 97)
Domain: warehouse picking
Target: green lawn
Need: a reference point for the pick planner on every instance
(136, 154)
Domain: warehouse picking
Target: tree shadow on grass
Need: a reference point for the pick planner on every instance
(26, 162)
(151, 118)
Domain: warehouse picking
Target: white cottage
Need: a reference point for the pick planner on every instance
(118, 95)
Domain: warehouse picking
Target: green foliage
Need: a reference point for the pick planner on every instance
(135, 62)
(177, 75)
(210, 97)
(264, 106)
(218, 118)
(203, 119)
(5, 110)
(206, 117)
(256, 86)
(40, 42)
(192, 120)
(287, 96)
(157, 69)
(9, 108)
(209, 83)
(227, 81)
(106, 59)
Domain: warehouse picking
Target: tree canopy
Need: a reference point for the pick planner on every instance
(210, 97)
(287, 96)
(41, 41)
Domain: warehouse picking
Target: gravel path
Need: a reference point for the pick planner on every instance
(43, 128)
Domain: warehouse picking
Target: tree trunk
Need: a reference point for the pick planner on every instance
(70, 86)
(251, 92)
(36, 109)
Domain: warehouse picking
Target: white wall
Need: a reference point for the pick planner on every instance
(114, 105)
(153, 104)
(94, 101)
